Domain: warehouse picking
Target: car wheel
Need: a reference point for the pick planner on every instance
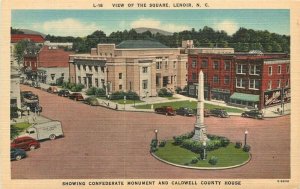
(167, 114)
(18, 157)
(52, 137)
(32, 147)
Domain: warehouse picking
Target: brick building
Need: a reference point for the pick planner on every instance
(141, 66)
(242, 79)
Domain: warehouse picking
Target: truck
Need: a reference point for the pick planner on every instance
(48, 130)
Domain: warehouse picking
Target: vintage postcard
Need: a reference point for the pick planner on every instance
(144, 94)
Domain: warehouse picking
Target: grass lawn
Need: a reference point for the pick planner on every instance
(189, 104)
(171, 98)
(121, 101)
(22, 126)
(228, 156)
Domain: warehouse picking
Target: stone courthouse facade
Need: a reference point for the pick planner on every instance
(141, 66)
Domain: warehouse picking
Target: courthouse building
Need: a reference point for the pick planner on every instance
(141, 66)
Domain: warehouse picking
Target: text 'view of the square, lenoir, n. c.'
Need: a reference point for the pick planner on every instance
(150, 94)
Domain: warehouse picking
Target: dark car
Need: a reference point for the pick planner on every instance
(76, 96)
(29, 95)
(25, 143)
(167, 110)
(64, 93)
(253, 114)
(185, 111)
(17, 154)
(219, 113)
(206, 112)
(35, 107)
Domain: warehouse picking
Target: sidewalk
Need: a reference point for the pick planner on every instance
(269, 112)
(31, 118)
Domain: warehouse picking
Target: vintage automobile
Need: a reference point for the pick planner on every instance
(17, 154)
(93, 101)
(185, 111)
(219, 113)
(52, 89)
(253, 114)
(64, 93)
(25, 143)
(167, 110)
(76, 96)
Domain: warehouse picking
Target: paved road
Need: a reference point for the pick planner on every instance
(102, 143)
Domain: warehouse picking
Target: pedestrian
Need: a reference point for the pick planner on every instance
(28, 110)
(116, 106)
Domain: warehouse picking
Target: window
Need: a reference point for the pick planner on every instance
(205, 77)
(194, 63)
(279, 69)
(226, 80)
(270, 84)
(194, 76)
(270, 70)
(96, 82)
(62, 74)
(145, 69)
(174, 64)
(166, 65)
(90, 68)
(216, 65)
(278, 83)
(171, 79)
(287, 82)
(287, 68)
(79, 79)
(240, 83)
(174, 78)
(216, 79)
(241, 69)
(254, 70)
(145, 84)
(52, 76)
(96, 68)
(254, 84)
(102, 81)
(102, 69)
(120, 87)
(84, 67)
(120, 75)
(204, 64)
(227, 65)
(158, 63)
(78, 67)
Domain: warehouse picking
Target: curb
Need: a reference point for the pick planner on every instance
(202, 168)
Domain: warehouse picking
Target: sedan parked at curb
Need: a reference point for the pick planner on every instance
(219, 113)
(185, 111)
(167, 110)
(76, 96)
(253, 114)
(17, 154)
(64, 93)
(25, 143)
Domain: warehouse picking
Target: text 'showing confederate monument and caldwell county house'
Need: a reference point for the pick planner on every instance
(99, 140)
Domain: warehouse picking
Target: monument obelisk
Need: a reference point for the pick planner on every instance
(200, 130)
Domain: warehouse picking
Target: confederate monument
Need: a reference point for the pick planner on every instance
(200, 130)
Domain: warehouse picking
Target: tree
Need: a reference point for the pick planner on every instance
(20, 49)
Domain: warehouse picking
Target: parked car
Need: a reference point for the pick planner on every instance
(206, 112)
(17, 154)
(167, 110)
(93, 101)
(76, 96)
(253, 114)
(64, 93)
(29, 95)
(34, 107)
(25, 143)
(52, 90)
(185, 111)
(219, 113)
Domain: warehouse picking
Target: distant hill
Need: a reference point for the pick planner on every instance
(27, 31)
(152, 30)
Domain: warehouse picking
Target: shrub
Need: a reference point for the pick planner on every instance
(238, 144)
(91, 91)
(164, 93)
(202, 155)
(224, 141)
(130, 95)
(60, 81)
(72, 86)
(246, 148)
(162, 143)
(92, 101)
(100, 92)
(52, 84)
(154, 143)
(194, 160)
(178, 90)
(153, 149)
(213, 160)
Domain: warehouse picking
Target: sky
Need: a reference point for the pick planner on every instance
(80, 23)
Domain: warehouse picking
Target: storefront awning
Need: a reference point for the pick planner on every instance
(245, 97)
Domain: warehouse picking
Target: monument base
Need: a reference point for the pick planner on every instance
(200, 134)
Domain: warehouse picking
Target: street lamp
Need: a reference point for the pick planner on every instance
(156, 131)
(246, 133)
(204, 150)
